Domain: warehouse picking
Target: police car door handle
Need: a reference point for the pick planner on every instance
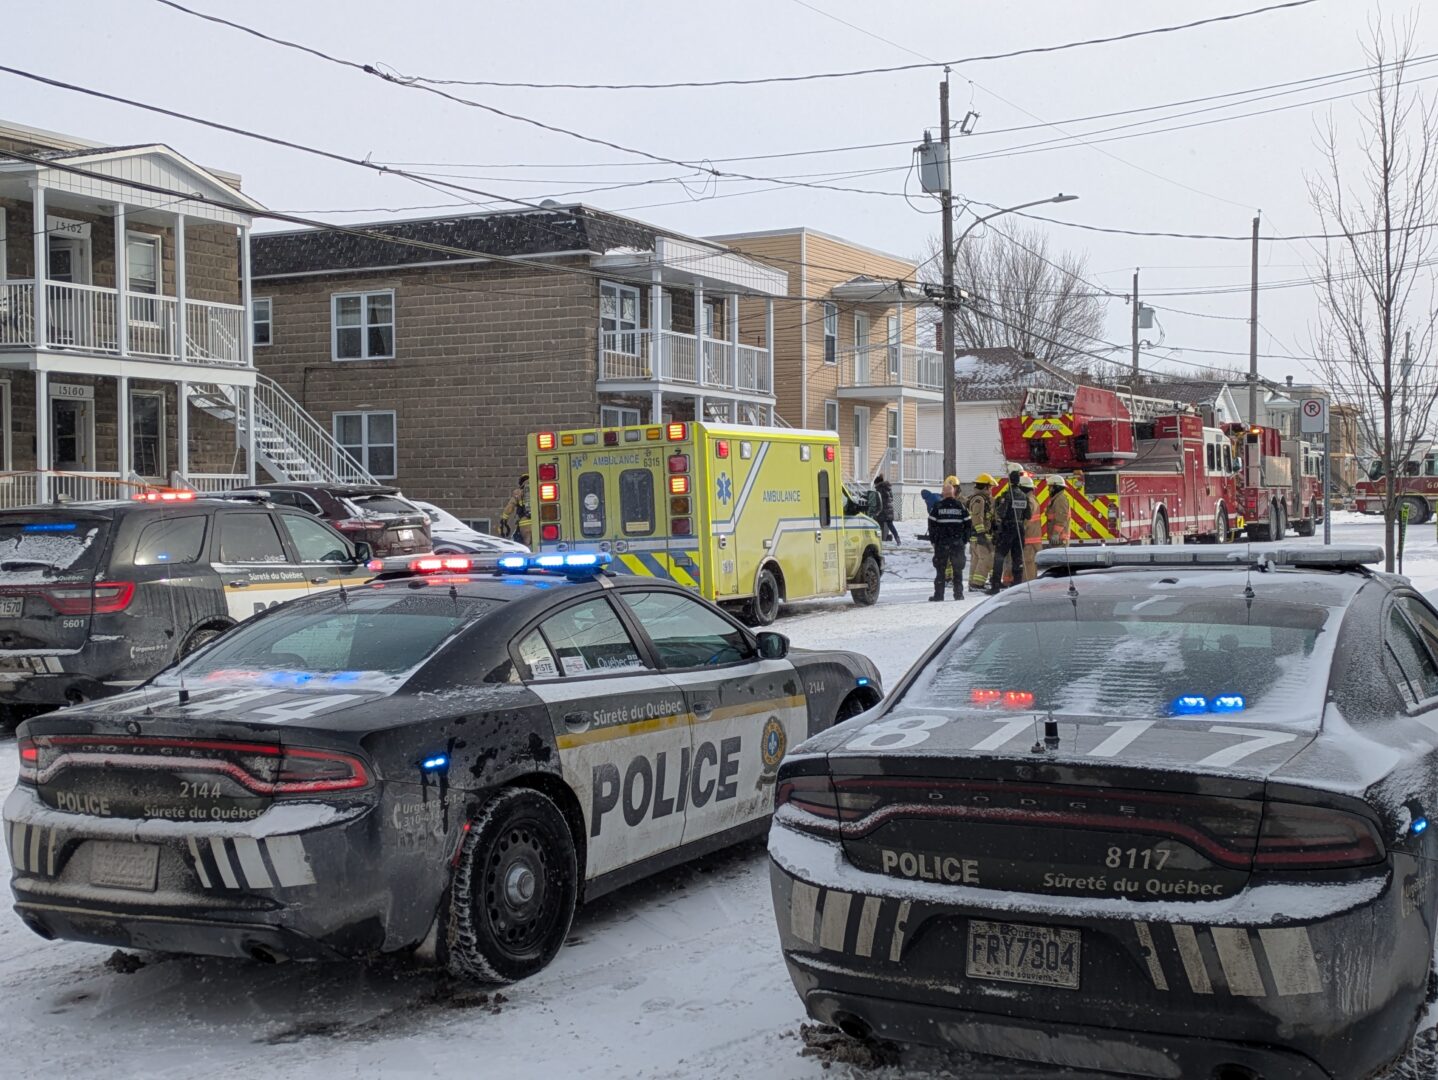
(703, 709)
(319, 581)
(578, 719)
(238, 584)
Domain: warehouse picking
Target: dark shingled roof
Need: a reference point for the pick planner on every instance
(576, 228)
(89, 151)
(1188, 391)
(1002, 373)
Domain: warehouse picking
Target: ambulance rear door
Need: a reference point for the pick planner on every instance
(828, 522)
(724, 476)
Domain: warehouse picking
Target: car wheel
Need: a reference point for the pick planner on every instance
(852, 706)
(869, 576)
(763, 609)
(1417, 509)
(514, 890)
(1159, 532)
(1220, 526)
(198, 640)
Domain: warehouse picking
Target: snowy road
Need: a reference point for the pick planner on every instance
(676, 976)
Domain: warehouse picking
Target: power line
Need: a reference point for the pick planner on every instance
(978, 58)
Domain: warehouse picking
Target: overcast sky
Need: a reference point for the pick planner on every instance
(1209, 178)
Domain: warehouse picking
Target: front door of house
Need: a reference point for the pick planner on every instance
(861, 443)
(72, 437)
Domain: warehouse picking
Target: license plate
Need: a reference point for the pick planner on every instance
(124, 866)
(406, 534)
(1042, 955)
(11, 606)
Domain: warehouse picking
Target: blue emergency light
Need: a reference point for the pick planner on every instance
(1190, 705)
(1419, 825)
(439, 761)
(573, 562)
(50, 527)
(1229, 703)
(861, 681)
(1197, 704)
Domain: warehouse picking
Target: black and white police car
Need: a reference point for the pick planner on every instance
(440, 757)
(1162, 813)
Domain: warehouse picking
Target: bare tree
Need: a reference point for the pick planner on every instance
(1021, 295)
(1376, 291)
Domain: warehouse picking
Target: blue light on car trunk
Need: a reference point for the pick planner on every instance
(1229, 703)
(50, 527)
(437, 762)
(1190, 705)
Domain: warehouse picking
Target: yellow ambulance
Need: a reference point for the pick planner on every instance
(747, 516)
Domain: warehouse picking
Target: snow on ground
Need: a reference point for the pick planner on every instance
(678, 976)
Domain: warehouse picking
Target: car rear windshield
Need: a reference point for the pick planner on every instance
(44, 548)
(1149, 656)
(374, 505)
(337, 640)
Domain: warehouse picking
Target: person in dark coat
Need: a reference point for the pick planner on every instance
(1012, 512)
(949, 529)
(886, 509)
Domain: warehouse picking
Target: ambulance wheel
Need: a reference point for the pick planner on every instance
(514, 890)
(763, 608)
(869, 578)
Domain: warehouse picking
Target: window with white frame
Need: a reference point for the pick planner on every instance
(831, 416)
(147, 432)
(831, 333)
(363, 325)
(618, 416)
(142, 277)
(369, 438)
(262, 318)
(3, 237)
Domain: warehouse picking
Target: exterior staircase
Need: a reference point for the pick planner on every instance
(289, 443)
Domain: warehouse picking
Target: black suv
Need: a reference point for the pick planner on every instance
(374, 513)
(97, 597)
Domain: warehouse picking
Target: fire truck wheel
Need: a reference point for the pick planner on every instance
(1308, 526)
(1220, 525)
(869, 578)
(1159, 533)
(763, 609)
(1418, 511)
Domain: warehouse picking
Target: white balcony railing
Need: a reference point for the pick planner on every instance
(916, 466)
(85, 318)
(905, 366)
(669, 357)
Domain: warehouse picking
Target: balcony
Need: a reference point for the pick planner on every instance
(648, 359)
(888, 372)
(86, 318)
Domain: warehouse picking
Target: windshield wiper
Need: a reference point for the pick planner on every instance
(29, 564)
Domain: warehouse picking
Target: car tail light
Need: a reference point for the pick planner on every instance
(680, 527)
(679, 485)
(810, 795)
(353, 525)
(29, 760)
(544, 440)
(101, 598)
(549, 471)
(677, 432)
(549, 532)
(306, 771)
(1299, 837)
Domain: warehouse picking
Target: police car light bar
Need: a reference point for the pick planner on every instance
(581, 561)
(422, 564)
(1103, 558)
(163, 496)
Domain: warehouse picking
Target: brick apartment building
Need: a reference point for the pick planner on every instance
(847, 357)
(431, 365)
(136, 324)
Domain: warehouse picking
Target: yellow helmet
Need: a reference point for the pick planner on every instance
(952, 481)
(985, 479)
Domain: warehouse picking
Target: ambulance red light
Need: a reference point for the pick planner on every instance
(679, 485)
(611, 438)
(544, 440)
(549, 471)
(548, 492)
(721, 448)
(549, 532)
(677, 432)
(985, 697)
(678, 463)
(1018, 699)
(828, 453)
(679, 527)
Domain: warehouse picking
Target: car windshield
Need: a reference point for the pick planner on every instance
(1150, 656)
(50, 547)
(365, 637)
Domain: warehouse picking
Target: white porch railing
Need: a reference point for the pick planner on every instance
(207, 482)
(23, 488)
(669, 357)
(86, 318)
(892, 366)
(923, 466)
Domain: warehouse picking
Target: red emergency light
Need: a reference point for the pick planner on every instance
(721, 448)
(544, 440)
(828, 453)
(549, 471)
(548, 492)
(677, 432)
(163, 496)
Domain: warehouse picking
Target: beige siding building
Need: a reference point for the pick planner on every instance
(847, 355)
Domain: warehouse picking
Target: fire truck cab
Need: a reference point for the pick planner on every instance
(1416, 485)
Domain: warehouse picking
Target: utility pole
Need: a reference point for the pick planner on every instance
(946, 197)
(1253, 335)
(1135, 324)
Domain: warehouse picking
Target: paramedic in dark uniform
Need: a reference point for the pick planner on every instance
(949, 528)
(1014, 508)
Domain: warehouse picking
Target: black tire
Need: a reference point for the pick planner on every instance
(1281, 529)
(870, 576)
(198, 640)
(763, 608)
(514, 890)
(1309, 526)
(1221, 532)
(851, 707)
(1418, 512)
(1159, 533)
(1261, 533)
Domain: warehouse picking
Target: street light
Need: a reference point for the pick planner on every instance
(950, 302)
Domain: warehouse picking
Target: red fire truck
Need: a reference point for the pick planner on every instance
(1416, 484)
(1141, 469)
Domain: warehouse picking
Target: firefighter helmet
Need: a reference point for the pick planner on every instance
(985, 479)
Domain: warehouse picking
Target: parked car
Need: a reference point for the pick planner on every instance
(378, 515)
(96, 597)
(452, 756)
(451, 536)
(1163, 812)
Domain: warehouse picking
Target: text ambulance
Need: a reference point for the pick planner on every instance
(746, 516)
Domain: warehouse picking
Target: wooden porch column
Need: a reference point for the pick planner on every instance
(42, 431)
(122, 415)
(41, 240)
(181, 331)
(182, 425)
(122, 282)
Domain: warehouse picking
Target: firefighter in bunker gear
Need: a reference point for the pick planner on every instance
(949, 529)
(1013, 511)
(1033, 530)
(1058, 512)
(518, 508)
(980, 505)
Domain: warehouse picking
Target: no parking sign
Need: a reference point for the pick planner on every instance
(1313, 416)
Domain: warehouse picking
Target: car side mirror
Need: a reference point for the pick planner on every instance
(363, 552)
(773, 646)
